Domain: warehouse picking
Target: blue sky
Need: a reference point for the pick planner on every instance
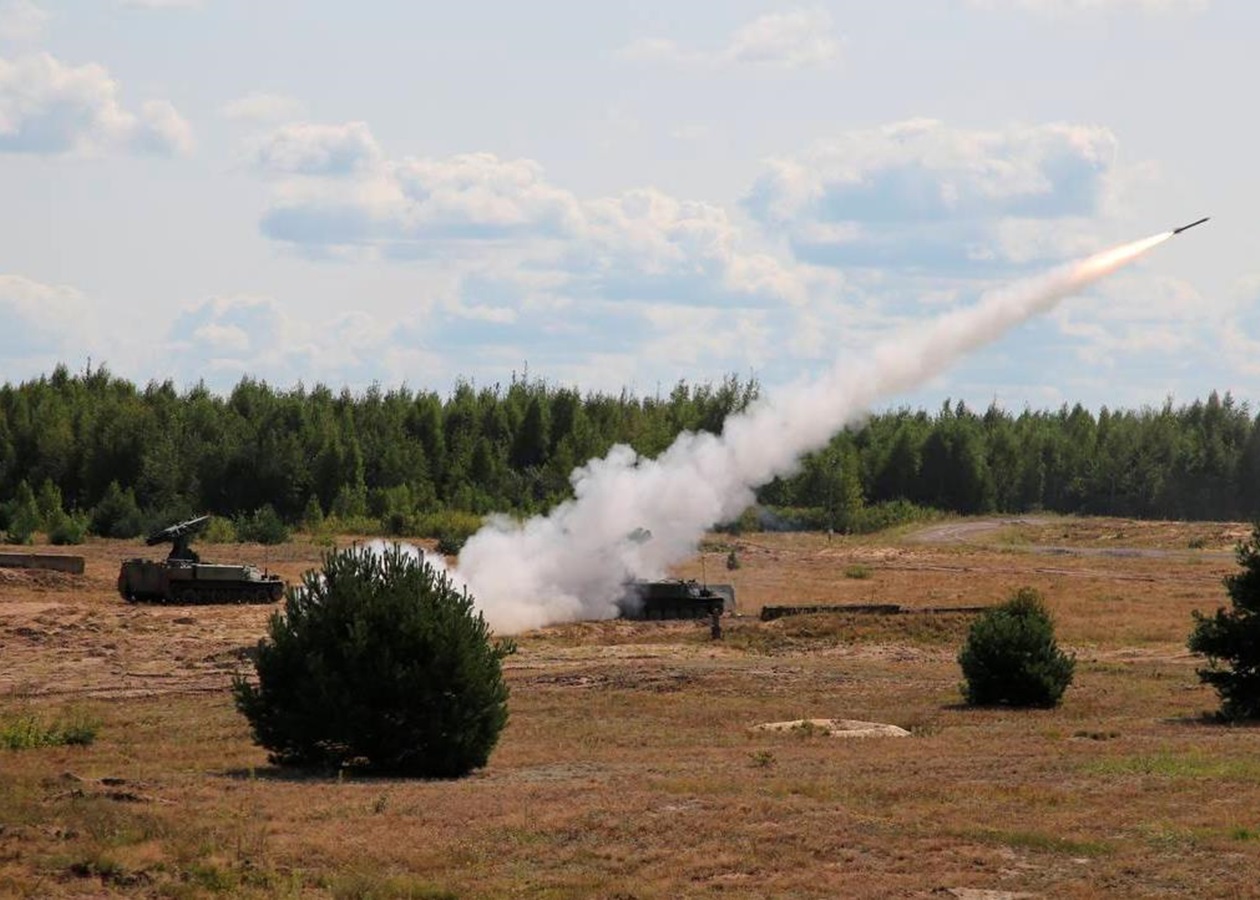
(613, 197)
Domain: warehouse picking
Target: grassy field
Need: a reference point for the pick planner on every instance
(630, 767)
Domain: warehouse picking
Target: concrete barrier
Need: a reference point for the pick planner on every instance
(55, 561)
(769, 613)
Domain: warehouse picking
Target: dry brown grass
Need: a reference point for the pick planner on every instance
(629, 768)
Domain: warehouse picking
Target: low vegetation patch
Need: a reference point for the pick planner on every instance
(1037, 841)
(891, 514)
(814, 631)
(25, 731)
(376, 886)
(1169, 764)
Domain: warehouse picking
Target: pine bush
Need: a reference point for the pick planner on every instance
(23, 517)
(378, 661)
(67, 528)
(312, 515)
(1230, 639)
(117, 515)
(1011, 656)
(263, 526)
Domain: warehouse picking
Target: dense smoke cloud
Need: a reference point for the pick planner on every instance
(572, 563)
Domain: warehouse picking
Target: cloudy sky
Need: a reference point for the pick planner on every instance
(610, 197)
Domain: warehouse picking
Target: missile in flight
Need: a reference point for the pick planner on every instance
(1191, 225)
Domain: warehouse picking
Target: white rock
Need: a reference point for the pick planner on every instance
(836, 728)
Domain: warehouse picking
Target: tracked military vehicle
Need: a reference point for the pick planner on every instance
(675, 599)
(183, 578)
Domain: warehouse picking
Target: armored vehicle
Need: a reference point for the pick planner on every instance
(675, 599)
(183, 578)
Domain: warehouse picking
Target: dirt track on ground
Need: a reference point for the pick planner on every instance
(985, 531)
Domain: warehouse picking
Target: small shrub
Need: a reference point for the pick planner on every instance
(732, 561)
(858, 571)
(103, 867)
(67, 528)
(312, 515)
(116, 515)
(454, 523)
(21, 529)
(398, 523)
(761, 759)
(450, 544)
(1011, 656)
(748, 521)
(893, 513)
(335, 524)
(1230, 639)
(788, 518)
(48, 501)
(22, 732)
(350, 502)
(378, 661)
(22, 516)
(25, 731)
(378, 886)
(218, 531)
(155, 518)
(262, 526)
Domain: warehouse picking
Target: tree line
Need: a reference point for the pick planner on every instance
(117, 458)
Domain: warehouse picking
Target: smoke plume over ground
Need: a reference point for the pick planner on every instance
(572, 563)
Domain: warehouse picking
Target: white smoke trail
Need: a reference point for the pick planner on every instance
(572, 563)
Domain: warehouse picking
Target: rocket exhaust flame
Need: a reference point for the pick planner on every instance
(571, 564)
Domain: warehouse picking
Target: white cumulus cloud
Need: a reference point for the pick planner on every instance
(162, 130)
(410, 201)
(924, 192)
(226, 338)
(21, 21)
(795, 38)
(54, 306)
(849, 237)
(648, 244)
(43, 324)
(48, 107)
(310, 149)
(1237, 326)
(639, 245)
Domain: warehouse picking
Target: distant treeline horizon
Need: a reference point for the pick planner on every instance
(123, 457)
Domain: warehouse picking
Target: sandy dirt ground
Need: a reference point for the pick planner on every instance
(73, 636)
(631, 765)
